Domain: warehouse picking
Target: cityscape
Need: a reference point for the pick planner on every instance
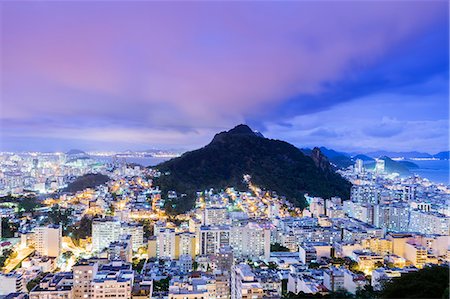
(178, 150)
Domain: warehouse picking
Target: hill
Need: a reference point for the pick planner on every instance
(75, 152)
(391, 166)
(337, 159)
(273, 165)
(90, 180)
(430, 282)
(409, 164)
(442, 155)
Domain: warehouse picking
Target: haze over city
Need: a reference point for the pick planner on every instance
(224, 149)
(122, 75)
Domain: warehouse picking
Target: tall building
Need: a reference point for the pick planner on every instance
(83, 274)
(244, 284)
(224, 259)
(212, 238)
(121, 250)
(429, 223)
(333, 279)
(359, 166)
(185, 244)
(104, 232)
(416, 254)
(166, 244)
(250, 240)
(365, 194)
(215, 216)
(136, 231)
(108, 230)
(380, 166)
(11, 283)
(108, 284)
(393, 217)
(48, 240)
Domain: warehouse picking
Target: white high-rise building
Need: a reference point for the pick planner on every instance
(11, 283)
(186, 244)
(108, 230)
(166, 244)
(48, 240)
(83, 274)
(212, 238)
(244, 284)
(380, 166)
(216, 216)
(429, 223)
(250, 241)
(136, 231)
(393, 217)
(104, 232)
(359, 166)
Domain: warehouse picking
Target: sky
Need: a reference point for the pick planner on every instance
(119, 75)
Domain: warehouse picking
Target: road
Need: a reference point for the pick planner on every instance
(21, 255)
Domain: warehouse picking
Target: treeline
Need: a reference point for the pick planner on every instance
(90, 180)
(430, 282)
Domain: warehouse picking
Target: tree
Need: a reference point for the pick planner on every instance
(82, 230)
(32, 283)
(28, 204)
(60, 216)
(5, 255)
(430, 282)
(277, 247)
(378, 264)
(67, 255)
(138, 264)
(8, 228)
(161, 285)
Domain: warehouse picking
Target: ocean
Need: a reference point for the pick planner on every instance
(435, 170)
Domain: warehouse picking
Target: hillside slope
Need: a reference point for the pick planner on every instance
(273, 165)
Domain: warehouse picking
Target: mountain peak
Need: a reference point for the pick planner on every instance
(75, 152)
(241, 130)
(273, 165)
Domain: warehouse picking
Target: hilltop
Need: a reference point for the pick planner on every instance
(272, 164)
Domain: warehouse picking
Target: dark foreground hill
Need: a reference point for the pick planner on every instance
(272, 164)
(90, 180)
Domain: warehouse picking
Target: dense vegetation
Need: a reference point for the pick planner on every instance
(90, 180)
(4, 256)
(277, 247)
(57, 215)
(273, 165)
(430, 282)
(81, 229)
(8, 228)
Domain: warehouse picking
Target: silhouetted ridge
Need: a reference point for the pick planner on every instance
(239, 130)
(273, 165)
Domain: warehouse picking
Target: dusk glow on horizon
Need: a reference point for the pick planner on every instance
(107, 75)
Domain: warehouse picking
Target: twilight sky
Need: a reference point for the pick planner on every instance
(354, 76)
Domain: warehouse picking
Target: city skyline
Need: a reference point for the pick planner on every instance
(113, 76)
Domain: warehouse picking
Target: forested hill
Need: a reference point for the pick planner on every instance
(273, 165)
